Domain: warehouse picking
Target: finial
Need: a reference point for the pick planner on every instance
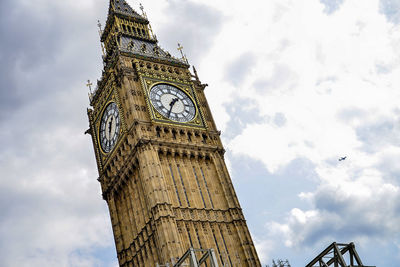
(143, 13)
(180, 48)
(195, 74)
(99, 25)
(101, 33)
(89, 84)
(90, 94)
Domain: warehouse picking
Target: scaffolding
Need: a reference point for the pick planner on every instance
(190, 259)
(280, 263)
(338, 255)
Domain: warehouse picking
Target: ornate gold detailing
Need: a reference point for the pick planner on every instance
(161, 174)
(149, 82)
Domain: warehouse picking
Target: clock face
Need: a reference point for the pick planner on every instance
(109, 127)
(172, 103)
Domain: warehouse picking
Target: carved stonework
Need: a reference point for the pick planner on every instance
(165, 180)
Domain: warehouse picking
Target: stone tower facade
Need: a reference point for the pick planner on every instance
(159, 155)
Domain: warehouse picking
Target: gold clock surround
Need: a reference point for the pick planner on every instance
(197, 121)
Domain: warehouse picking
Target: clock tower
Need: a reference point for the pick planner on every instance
(159, 154)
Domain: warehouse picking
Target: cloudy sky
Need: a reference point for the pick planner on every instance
(294, 85)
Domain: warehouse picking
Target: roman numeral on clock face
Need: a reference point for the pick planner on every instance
(172, 103)
(109, 127)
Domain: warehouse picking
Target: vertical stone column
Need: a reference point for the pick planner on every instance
(159, 204)
(119, 242)
(220, 164)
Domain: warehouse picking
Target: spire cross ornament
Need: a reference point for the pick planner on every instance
(99, 25)
(89, 84)
(180, 48)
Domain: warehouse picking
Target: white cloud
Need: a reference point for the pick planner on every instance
(334, 78)
(321, 81)
(361, 209)
(264, 248)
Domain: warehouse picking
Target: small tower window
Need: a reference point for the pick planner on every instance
(204, 138)
(124, 27)
(143, 33)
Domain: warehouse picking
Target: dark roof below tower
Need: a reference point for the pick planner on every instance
(147, 49)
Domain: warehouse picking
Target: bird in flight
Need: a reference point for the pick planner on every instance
(343, 158)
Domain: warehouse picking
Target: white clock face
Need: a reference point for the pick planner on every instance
(172, 103)
(109, 127)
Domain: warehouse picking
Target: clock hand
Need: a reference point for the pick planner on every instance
(109, 127)
(172, 105)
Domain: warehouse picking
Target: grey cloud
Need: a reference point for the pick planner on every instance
(52, 211)
(351, 113)
(378, 134)
(331, 5)
(243, 111)
(280, 119)
(347, 217)
(282, 79)
(192, 24)
(360, 216)
(390, 168)
(40, 207)
(39, 53)
(382, 68)
(279, 190)
(326, 79)
(391, 9)
(240, 68)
